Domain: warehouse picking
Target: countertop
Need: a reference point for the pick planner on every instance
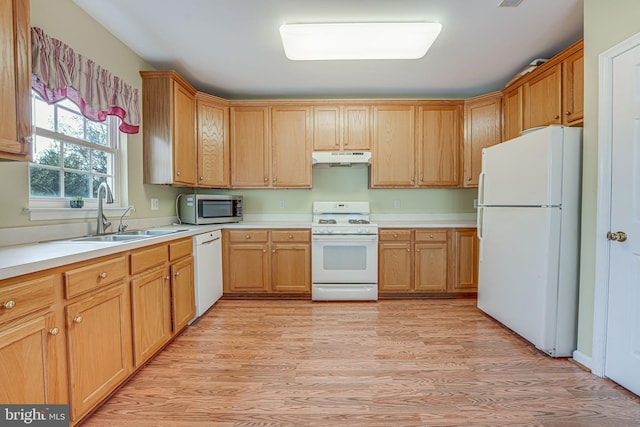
(16, 260)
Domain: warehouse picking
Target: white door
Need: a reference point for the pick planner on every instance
(622, 358)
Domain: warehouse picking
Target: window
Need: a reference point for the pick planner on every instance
(71, 154)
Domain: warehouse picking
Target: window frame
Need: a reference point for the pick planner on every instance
(36, 202)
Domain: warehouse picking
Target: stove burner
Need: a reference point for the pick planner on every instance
(358, 221)
(326, 221)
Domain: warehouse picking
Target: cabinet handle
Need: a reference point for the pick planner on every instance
(77, 319)
(103, 275)
(9, 304)
(54, 331)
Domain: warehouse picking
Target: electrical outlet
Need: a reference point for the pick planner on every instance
(155, 204)
(281, 204)
(396, 204)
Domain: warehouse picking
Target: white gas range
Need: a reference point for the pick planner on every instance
(344, 250)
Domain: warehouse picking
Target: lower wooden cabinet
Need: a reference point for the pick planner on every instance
(99, 346)
(267, 261)
(427, 261)
(183, 301)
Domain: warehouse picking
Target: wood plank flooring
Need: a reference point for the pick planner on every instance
(389, 363)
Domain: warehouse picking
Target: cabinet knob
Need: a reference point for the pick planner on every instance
(408, 250)
(9, 304)
(273, 251)
(395, 235)
(556, 117)
(264, 251)
(417, 250)
(167, 277)
(178, 173)
(290, 236)
(77, 319)
(431, 236)
(103, 275)
(177, 273)
(567, 112)
(54, 331)
(247, 236)
(265, 179)
(201, 178)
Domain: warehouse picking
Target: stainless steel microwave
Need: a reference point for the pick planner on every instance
(209, 208)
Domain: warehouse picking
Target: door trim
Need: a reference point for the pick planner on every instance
(603, 206)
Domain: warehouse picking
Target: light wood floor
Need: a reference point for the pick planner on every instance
(390, 363)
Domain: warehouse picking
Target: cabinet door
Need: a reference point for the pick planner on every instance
(291, 146)
(250, 155)
(483, 128)
(439, 145)
(247, 268)
(99, 345)
(184, 138)
(431, 264)
(356, 132)
(466, 262)
(213, 144)
(393, 147)
(151, 312)
(542, 96)
(394, 267)
(291, 268)
(326, 128)
(182, 293)
(573, 89)
(512, 106)
(25, 372)
(15, 80)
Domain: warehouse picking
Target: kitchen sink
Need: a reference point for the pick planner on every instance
(109, 238)
(149, 233)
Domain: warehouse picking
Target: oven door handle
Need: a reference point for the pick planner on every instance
(344, 237)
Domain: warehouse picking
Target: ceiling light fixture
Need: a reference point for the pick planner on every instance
(340, 41)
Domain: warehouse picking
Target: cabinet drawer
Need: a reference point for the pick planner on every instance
(282, 236)
(431, 235)
(147, 258)
(93, 276)
(394, 235)
(237, 236)
(180, 249)
(25, 297)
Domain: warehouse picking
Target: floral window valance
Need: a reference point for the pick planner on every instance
(59, 72)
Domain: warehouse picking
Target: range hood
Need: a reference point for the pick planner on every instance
(341, 158)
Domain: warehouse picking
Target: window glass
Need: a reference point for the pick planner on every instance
(71, 154)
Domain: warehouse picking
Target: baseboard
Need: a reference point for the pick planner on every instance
(582, 359)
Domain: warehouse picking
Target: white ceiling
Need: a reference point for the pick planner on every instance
(232, 48)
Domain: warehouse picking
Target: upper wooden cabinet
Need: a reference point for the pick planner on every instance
(573, 88)
(250, 147)
(15, 80)
(393, 146)
(212, 126)
(483, 124)
(169, 138)
(439, 145)
(341, 128)
(291, 146)
(271, 146)
(542, 94)
(551, 94)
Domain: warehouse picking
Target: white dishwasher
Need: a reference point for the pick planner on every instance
(207, 248)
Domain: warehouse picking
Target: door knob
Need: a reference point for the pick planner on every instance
(619, 236)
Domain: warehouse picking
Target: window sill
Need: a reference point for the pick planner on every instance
(45, 214)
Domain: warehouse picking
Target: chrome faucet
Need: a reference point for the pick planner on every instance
(122, 226)
(103, 222)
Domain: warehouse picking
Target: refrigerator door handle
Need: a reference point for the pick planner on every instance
(481, 188)
(479, 220)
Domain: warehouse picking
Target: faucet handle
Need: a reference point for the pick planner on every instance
(122, 227)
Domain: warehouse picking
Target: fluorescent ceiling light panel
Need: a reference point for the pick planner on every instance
(379, 40)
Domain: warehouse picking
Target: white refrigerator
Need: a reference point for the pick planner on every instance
(529, 231)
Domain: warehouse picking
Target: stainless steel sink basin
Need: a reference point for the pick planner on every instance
(109, 238)
(150, 232)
